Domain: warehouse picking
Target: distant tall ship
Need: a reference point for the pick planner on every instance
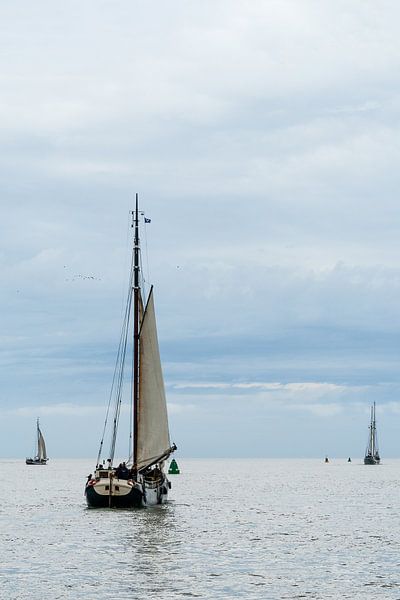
(41, 455)
(372, 456)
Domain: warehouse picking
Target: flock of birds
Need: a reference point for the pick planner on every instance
(76, 277)
(84, 277)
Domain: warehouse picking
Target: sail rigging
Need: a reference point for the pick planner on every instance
(372, 451)
(141, 479)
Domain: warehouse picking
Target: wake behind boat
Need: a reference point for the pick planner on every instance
(41, 454)
(141, 480)
(372, 456)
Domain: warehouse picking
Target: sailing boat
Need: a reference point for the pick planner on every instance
(141, 479)
(372, 452)
(41, 455)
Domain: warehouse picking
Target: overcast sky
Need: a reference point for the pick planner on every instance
(263, 140)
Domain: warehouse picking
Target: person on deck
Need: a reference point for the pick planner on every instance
(122, 471)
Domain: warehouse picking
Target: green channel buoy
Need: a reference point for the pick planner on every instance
(173, 468)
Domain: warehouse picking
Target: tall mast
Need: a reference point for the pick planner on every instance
(371, 434)
(373, 429)
(136, 299)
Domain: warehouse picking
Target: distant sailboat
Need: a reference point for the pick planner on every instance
(372, 456)
(41, 454)
(141, 481)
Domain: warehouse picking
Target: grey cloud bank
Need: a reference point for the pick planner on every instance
(263, 141)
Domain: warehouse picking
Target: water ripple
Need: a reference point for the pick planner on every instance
(300, 529)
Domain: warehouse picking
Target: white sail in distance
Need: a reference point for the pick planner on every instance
(41, 446)
(153, 434)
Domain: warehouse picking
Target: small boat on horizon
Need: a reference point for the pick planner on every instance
(372, 456)
(141, 480)
(41, 454)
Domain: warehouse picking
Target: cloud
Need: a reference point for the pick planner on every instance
(307, 387)
(319, 410)
(320, 398)
(74, 410)
(59, 409)
(175, 408)
(272, 185)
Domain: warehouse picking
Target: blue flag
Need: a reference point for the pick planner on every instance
(147, 220)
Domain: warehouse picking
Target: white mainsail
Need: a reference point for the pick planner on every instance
(153, 433)
(41, 446)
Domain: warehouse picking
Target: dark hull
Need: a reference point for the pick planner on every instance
(371, 460)
(31, 461)
(131, 500)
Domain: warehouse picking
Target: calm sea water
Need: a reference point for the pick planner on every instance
(254, 529)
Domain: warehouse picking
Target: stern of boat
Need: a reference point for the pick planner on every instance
(156, 486)
(106, 490)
